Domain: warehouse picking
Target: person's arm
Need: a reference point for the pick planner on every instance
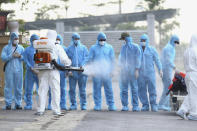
(91, 55)
(63, 57)
(4, 54)
(120, 58)
(157, 60)
(65, 49)
(86, 55)
(21, 53)
(138, 58)
(25, 58)
(68, 52)
(112, 57)
(168, 57)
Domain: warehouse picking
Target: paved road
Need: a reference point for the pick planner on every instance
(95, 121)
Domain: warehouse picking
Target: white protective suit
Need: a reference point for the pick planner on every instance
(190, 64)
(51, 78)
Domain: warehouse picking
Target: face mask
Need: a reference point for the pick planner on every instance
(32, 42)
(57, 42)
(15, 42)
(102, 42)
(143, 43)
(76, 42)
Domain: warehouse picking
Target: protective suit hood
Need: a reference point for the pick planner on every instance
(145, 37)
(193, 41)
(100, 36)
(60, 37)
(12, 37)
(74, 36)
(52, 35)
(34, 37)
(173, 39)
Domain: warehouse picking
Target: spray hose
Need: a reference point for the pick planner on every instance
(66, 68)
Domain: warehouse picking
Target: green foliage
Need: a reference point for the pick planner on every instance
(148, 5)
(24, 66)
(129, 26)
(23, 4)
(107, 3)
(25, 45)
(43, 13)
(85, 14)
(66, 3)
(167, 26)
(89, 28)
(152, 4)
(100, 4)
(21, 26)
(65, 0)
(6, 1)
(166, 30)
(119, 2)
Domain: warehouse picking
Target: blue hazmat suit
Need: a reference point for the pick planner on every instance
(147, 80)
(13, 72)
(30, 76)
(78, 54)
(130, 61)
(62, 82)
(167, 59)
(102, 56)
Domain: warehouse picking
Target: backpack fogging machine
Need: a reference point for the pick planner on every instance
(43, 60)
(177, 90)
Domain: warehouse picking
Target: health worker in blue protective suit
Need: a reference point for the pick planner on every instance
(12, 56)
(129, 60)
(31, 74)
(102, 56)
(147, 80)
(167, 59)
(78, 53)
(59, 41)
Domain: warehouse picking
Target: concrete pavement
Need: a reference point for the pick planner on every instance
(95, 120)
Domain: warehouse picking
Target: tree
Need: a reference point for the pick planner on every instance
(148, 5)
(43, 13)
(23, 4)
(6, 1)
(89, 28)
(129, 26)
(85, 14)
(153, 4)
(21, 26)
(47, 11)
(119, 2)
(66, 5)
(165, 27)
